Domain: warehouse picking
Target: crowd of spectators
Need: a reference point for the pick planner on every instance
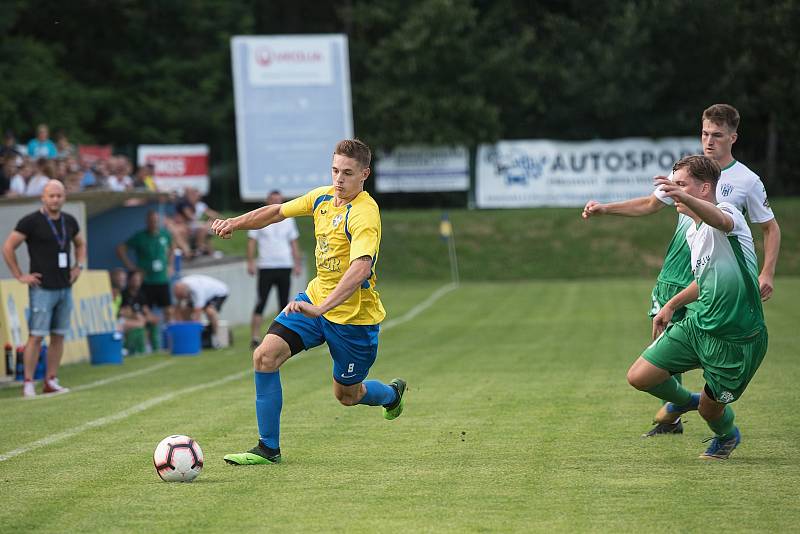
(24, 169)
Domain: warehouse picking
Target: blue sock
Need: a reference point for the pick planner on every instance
(378, 394)
(269, 401)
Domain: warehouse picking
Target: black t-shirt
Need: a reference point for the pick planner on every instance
(44, 248)
(136, 301)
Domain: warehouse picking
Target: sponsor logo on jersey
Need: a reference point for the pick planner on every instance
(700, 262)
(726, 190)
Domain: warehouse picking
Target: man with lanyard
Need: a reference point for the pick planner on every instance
(737, 185)
(48, 233)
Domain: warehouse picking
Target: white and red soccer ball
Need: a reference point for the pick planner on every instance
(178, 459)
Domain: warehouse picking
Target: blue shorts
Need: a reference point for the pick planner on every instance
(353, 347)
(50, 310)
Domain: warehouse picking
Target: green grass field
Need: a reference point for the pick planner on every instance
(518, 419)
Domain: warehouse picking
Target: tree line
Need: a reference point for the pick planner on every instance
(423, 71)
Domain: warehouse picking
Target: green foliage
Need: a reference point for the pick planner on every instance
(426, 71)
(518, 419)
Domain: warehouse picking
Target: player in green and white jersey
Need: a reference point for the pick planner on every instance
(726, 336)
(737, 185)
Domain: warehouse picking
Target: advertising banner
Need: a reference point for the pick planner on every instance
(518, 174)
(177, 167)
(422, 169)
(292, 99)
(92, 313)
(90, 154)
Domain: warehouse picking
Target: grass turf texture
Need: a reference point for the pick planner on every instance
(518, 418)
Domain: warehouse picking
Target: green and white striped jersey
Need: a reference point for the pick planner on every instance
(725, 267)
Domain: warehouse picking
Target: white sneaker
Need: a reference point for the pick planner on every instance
(52, 386)
(215, 342)
(28, 390)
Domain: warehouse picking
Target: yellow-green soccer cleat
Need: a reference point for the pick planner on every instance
(258, 455)
(394, 410)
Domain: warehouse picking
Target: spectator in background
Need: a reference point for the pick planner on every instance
(144, 178)
(198, 217)
(9, 150)
(137, 316)
(18, 182)
(45, 171)
(7, 170)
(198, 293)
(119, 280)
(155, 258)
(88, 179)
(48, 233)
(64, 149)
(41, 146)
(119, 180)
(278, 254)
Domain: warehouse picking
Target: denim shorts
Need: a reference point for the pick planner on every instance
(50, 311)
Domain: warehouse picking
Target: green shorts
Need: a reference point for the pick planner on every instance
(728, 366)
(662, 292)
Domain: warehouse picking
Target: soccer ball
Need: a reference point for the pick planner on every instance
(178, 459)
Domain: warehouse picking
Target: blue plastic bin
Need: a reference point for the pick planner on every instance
(184, 337)
(105, 348)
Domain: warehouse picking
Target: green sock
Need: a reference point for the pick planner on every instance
(679, 378)
(672, 391)
(723, 427)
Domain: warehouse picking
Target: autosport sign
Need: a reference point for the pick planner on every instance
(176, 167)
(515, 174)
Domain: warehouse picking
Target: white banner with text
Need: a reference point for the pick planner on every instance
(521, 174)
(411, 169)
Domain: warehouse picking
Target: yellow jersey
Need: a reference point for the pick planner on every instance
(343, 234)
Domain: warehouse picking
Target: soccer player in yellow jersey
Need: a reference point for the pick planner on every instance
(340, 306)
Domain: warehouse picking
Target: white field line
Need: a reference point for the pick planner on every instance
(154, 401)
(104, 381)
(142, 406)
(419, 308)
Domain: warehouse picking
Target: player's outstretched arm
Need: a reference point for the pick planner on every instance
(359, 270)
(635, 207)
(252, 220)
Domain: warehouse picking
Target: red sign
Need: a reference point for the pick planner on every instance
(171, 166)
(177, 167)
(92, 153)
